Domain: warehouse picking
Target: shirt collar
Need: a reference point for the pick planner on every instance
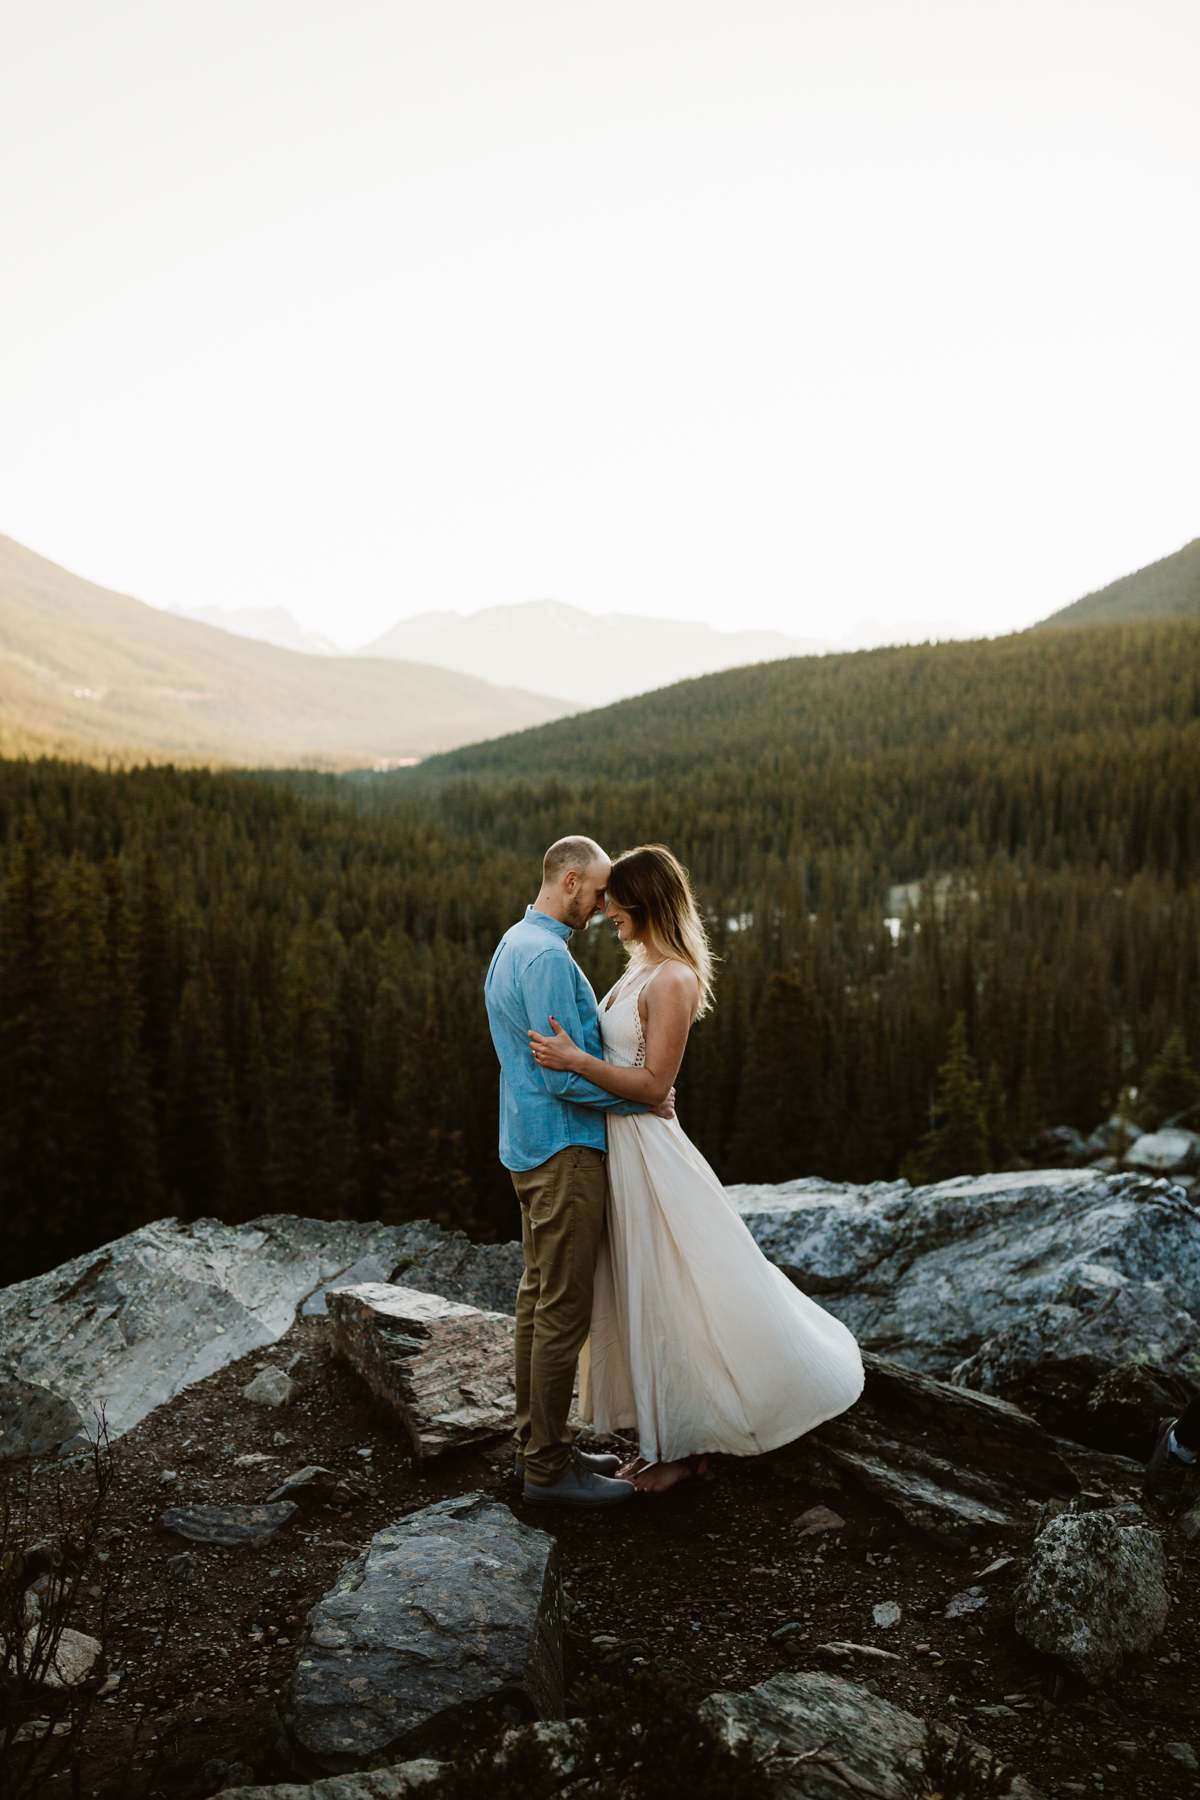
(540, 918)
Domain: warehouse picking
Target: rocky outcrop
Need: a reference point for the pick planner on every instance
(983, 1279)
(1094, 1591)
(951, 1463)
(1070, 1363)
(445, 1369)
(454, 1607)
(132, 1323)
(824, 1738)
(1058, 1275)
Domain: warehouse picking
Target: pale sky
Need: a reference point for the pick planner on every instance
(775, 315)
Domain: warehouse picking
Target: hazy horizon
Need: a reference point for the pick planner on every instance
(852, 322)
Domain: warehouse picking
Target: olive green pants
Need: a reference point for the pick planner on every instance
(562, 1223)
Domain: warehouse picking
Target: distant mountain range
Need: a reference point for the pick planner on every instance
(592, 658)
(1166, 589)
(89, 673)
(268, 624)
(85, 672)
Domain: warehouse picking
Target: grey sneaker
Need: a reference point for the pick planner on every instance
(1168, 1482)
(578, 1486)
(600, 1463)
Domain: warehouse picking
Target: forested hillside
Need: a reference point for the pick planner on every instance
(236, 993)
(1166, 589)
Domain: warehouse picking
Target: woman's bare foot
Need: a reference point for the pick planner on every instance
(632, 1468)
(656, 1478)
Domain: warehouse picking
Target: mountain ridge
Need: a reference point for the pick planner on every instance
(591, 658)
(87, 671)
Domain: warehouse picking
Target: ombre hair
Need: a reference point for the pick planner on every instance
(652, 884)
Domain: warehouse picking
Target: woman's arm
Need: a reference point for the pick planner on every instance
(670, 1003)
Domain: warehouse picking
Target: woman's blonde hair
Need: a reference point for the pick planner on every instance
(651, 883)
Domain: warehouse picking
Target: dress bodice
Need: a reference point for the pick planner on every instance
(620, 1019)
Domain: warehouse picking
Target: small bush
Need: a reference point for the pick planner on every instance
(952, 1769)
(639, 1740)
(43, 1577)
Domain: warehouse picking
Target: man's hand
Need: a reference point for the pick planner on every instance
(667, 1109)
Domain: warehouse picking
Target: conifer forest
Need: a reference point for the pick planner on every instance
(954, 890)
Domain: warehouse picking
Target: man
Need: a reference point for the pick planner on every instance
(553, 1143)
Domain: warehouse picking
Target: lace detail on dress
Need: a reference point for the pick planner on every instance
(621, 1026)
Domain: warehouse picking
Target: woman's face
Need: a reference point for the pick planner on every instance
(623, 921)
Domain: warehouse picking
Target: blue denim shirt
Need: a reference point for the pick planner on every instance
(532, 975)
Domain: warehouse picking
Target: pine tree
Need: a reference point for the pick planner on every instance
(1171, 1089)
(1002, 1153)
(782, 1124)
(958, 1142)
(198, 1137)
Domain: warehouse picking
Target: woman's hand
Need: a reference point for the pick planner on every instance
(557, 1052)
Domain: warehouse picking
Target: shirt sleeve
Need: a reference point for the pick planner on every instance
(548, 986)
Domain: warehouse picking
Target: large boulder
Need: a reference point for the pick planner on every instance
(825, 1738)
(1058, 1147)
(977, 1266)
(1113, 1136)
(132, 1323)
(445, 1370)
(35, 1420)
(455, 1608)
(1094, 1591)
(1170, 1151)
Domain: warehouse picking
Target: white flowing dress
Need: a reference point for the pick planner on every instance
(697, 1341)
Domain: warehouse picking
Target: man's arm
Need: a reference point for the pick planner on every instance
(548, 986)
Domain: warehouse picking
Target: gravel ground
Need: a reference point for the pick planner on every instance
(697, 1582)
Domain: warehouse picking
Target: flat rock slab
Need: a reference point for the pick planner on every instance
(865, 1748)
(445, 1369)
(841, 1650)
(952, 1463)
(132, 1323)
(228, 1524)
(1095, 1591)
(396, 1783)
(453, 1608)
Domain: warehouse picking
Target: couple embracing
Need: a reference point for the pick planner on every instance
(637, 1269)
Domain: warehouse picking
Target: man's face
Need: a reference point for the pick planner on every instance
(586, 892)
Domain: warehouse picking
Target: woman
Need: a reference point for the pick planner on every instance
(697, 1341)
